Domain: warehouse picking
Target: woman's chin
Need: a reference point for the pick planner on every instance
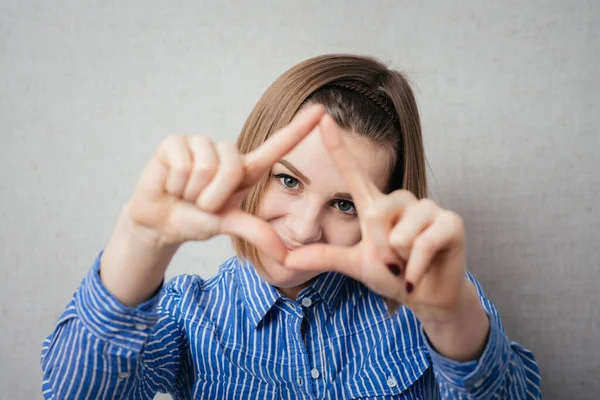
(281, 277)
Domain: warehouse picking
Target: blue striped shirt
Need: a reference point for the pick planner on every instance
(234, 336)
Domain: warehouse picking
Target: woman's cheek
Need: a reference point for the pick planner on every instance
(342, 233)
(273, 204)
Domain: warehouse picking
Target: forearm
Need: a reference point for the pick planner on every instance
(133, 263)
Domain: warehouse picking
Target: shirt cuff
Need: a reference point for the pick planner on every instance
(109, 320)
(474, 376)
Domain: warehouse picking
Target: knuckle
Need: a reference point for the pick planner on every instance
(198, 142)
(181, 168)
(456, 221)
(199, 139)
(425, 243)
(204, 170)
(428, 205)
(172, 139)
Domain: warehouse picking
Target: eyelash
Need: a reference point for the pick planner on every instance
(279, 179)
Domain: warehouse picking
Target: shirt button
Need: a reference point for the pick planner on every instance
(306, 302)
(141, 327)
(391, 382)
(478, 383)
(123, 375)
(315, 373)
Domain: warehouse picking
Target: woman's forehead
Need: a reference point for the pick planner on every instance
(311, 158)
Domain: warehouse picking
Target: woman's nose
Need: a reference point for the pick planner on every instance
(305, 226)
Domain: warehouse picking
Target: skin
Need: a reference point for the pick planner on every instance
(301, 204)
(192, 189)
(425, 242)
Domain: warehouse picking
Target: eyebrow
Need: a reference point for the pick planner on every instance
(344, 196)
(290, 166)
(294, 170)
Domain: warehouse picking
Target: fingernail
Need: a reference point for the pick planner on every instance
(394, 269)
(409, 287)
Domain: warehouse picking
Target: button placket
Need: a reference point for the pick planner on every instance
(140, 326)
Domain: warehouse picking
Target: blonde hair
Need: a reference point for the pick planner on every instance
(363, 96)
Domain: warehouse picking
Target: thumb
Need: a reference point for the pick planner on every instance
(324, 257)
(254, 230)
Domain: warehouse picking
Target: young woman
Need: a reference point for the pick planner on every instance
(348, 281)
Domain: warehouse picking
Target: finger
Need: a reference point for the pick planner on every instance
(325, 257)
(394, 204)
(415, 219)
(187, 222)
(175, 155)
(256, 231)
(260, 161)
(377, 221)
(363, 267)
(227, 179)
(237, 198)
(205, 163)
(363, 190)
(445, 232)
(153, 180)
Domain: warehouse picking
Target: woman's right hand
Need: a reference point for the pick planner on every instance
(192, 188)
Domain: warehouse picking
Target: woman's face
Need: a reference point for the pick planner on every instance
(306, 200)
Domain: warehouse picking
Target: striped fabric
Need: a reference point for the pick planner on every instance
(235, 337)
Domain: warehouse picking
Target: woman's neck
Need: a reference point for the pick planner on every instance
(293, 292)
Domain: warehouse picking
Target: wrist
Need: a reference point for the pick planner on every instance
(459, 333)
(451, 314)
(134, 261)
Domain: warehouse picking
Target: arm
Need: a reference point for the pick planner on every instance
(103, 349)
(502, 368)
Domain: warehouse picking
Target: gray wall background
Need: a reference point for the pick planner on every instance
(509, 95)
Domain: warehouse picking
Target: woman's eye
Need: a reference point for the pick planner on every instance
(290, 182)
(345, 206)
(286, 181)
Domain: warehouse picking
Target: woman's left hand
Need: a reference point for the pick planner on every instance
(411, 250)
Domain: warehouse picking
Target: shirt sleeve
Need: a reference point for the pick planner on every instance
(505, 369)
(103, 349)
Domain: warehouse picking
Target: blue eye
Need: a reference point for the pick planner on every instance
(286, 181)
(345, 206)
(290, 182)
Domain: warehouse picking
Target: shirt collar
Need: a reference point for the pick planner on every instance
(260, 296)
(328, 286)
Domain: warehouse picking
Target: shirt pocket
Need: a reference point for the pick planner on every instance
(389, 375)
(228, 388)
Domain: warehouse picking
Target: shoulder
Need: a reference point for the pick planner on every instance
(194, 285)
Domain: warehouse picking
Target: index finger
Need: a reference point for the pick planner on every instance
(361, 186)
(259, 161)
